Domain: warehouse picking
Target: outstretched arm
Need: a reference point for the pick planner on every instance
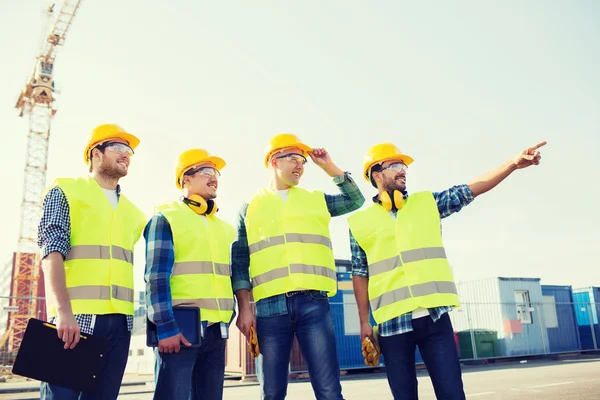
(486, 182)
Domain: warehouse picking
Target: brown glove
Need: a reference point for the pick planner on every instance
(253, 343)
(371, 351)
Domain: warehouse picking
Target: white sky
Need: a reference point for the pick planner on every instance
(460, 86)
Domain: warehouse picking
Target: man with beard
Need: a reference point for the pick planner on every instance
(399, 268)
(87, 235)
(283, 254)
(187, 265)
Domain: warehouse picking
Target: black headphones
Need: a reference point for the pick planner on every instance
(200, 205)
(392, 201)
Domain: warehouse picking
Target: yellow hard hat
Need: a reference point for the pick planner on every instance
(103, 133)
(192, 157)
(284, 141)
(380, 153)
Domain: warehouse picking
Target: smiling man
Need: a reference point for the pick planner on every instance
(187, 265)
(400, 269)
(283, 254)
(87, 234)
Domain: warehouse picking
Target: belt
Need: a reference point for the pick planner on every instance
(295, 292)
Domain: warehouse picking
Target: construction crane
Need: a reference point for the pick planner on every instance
(38, 102)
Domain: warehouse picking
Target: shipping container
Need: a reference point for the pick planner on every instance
(587, 311)
(559, 316)
(500, 317)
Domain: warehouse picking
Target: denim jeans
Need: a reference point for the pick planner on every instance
(194, 372)
(309, 318)
(114, 328)
(438, 349)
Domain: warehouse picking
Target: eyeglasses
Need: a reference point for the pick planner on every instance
(117, 147)
(397, 166)
(297, 158)
(205, 171)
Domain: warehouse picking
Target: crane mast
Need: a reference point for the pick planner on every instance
(37, 101)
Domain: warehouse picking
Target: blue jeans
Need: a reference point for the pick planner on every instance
(194, 372)
(114, 328)
(438, 349)
(310, 319)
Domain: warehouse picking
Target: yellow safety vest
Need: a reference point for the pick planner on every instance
(289, 243)
(201, 275)
(408, 268)
(99, 266)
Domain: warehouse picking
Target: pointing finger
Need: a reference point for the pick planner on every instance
(540, 144)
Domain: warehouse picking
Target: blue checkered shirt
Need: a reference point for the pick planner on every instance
(54, 234)
(350, 199)
(448, 202)
(160, 259)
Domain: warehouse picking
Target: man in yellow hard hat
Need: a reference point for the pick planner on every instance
(187, 266)
(87, 235)
(283, 254)
(400, 269)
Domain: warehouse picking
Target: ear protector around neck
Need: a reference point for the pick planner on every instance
(200, 205)
(393, 201)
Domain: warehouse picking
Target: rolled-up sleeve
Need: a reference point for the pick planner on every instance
(54, 229)
(453, 200)
(350, 199)
(160, 258)
(240, 255)
(358, 260)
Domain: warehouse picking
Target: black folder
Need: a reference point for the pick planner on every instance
(188, 321)
(42, 356)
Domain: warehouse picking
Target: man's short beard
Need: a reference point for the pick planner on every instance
(110, 172)
(389, 185)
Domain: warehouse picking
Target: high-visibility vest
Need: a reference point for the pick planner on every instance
(99, 266)
(289, 243)
(201, 274)
(408, 268)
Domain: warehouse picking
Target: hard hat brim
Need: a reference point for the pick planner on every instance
(131, 140)
(217, 161)
(405, 158)
(305, 148)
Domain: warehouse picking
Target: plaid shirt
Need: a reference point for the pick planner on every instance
(350, 199)
(54, 234)
(160, 259)
(448, 202)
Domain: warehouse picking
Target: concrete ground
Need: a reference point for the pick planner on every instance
(564, 379)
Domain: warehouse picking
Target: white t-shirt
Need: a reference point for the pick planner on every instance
(112, 197)
(283, 194)
(419, 312)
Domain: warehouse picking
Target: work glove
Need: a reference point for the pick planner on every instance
(253, 343)
(371, 351)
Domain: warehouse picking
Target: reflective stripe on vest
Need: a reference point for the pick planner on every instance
(289, 243)
(419, 290)
(200, 267)
(292, 269)
(289, 238)
(90, 252)
(408, 268)
(100, 293)
(408, 256)
(206, 304)
(201, 271)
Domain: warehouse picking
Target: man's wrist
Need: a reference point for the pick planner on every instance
(333, 171)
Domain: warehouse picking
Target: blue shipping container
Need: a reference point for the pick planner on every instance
(587, 311)
(560, 320)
